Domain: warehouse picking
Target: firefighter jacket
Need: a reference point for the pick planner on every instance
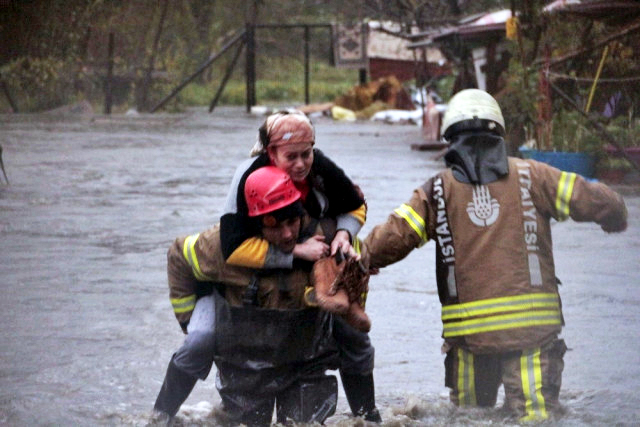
(195, 264)
(494, 260)
(332, 195)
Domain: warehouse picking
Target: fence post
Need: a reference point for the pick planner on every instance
(251, 66)
(108, 84)
(306, 65)
(5, 90)
(146, 82)
(199, 71)
(362, 73)
(214, 102)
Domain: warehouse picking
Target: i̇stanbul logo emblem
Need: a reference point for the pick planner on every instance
(484, 210)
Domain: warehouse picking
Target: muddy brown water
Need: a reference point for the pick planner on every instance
(95, 201)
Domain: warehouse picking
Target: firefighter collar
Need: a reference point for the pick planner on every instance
(477, 157)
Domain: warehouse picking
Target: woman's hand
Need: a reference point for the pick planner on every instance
(342, 241)
(311, 249)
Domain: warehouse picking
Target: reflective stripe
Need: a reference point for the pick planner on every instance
(466, 379)
(183, 305)
(451, 281)
(535, 273)
(500, 305)
(502, 322)
(565, 189)
(357, 245)
(531, 374)
(414, 220)
(189, 253)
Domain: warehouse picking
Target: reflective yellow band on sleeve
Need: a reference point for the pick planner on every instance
(502, 322)
(183, 305)
(414, 220)
(189, 253)
(565, 190)
(501, 305)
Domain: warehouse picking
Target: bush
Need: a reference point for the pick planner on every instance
(38, 84)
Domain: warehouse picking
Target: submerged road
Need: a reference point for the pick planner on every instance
(95, 201)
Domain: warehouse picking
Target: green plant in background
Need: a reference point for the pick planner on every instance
(281, 81)
(518, 103)
(444, 87)
(39, 83)
(569, 133)
(626, 131)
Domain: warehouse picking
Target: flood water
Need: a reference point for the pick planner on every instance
(94, 202)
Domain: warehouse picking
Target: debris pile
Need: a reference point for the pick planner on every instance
(364, 102)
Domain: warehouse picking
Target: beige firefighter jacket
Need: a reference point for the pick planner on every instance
(196, 261)
(494, 260)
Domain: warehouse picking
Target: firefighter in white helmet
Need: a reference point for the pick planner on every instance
(489, 216)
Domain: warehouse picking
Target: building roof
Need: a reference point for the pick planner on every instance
(494, 22)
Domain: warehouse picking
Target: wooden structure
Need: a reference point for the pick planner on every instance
(386, 55)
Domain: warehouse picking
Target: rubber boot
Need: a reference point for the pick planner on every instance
(175, 389)
(361, 396)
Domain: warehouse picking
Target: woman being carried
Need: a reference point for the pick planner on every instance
(286, 140)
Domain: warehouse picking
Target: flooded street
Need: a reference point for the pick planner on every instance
(95, 201)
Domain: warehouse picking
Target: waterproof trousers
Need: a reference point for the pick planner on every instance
(267, 356)
(356, 369)
(195, 355)
(531, 379)
(308, 400)
(195, 358)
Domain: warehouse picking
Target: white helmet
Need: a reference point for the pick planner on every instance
(472, 109)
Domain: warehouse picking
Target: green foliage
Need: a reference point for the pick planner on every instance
(626, 130)
(444, 87)
(518, 99)
(280, 83)
(570, 134)
(64, 43)
(38, 83)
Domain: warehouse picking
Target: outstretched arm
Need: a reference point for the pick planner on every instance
(564, 195)
(405, 229)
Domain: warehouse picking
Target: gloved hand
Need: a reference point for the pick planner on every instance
(341, 286)
(354, 279)
(325, 292)
(617, 224)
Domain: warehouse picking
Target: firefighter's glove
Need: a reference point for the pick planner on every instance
(325, 292)
(616, 224)
(341, 286)
(354, 279)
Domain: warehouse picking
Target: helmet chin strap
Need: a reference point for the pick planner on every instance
(477, 157)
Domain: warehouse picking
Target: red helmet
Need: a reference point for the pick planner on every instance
(269, 189)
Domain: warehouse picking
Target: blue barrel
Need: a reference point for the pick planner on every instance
(580, 163)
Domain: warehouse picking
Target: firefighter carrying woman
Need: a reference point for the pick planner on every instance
(334, 209)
